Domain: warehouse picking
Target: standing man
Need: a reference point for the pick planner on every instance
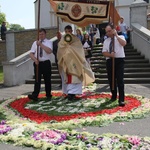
(118, 55)
(123, 28)
(3, 31)
(72, 65)
(43, 65)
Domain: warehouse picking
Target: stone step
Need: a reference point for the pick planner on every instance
(104, 75)
(126, 70)
(126, 54)
(126, 75)
(54, 68)
(102, 70)
(53, 81)
(127, 57)
(101, 81)
(137, 68)
(134, 65)
(126, 50)
(126, 47)
(126, 61)
(130, 50)
(127, 81)
(99, 52)
(55, 72)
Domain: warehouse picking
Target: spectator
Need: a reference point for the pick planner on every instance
(3, 31)
(79, 34)
(123, 28)
(96, 37)
(87, 45)
(92, 32)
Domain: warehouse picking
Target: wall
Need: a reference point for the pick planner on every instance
(20, 68)
(148, 24)
(141, 39)
(138, 13)
(2, 51)
(46, 14)
(19, 42)
(123, 9)
(140, 35)
(24, 39)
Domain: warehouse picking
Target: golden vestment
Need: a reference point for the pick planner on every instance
(71, 61)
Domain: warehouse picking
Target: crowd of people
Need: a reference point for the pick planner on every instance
(73, 60)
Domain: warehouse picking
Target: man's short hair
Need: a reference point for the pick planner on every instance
(110, 25)
(68, 27)
(42, 30)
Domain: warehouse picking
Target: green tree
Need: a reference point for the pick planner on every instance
(15, 27)
(2, 17)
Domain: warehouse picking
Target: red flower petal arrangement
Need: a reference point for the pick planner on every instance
(33, 115)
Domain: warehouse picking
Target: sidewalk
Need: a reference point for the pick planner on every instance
(138, 127)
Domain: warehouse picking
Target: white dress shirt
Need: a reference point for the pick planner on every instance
(45, 56)
(118, 48)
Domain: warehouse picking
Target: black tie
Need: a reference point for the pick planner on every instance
(41, 50)
(111, 45)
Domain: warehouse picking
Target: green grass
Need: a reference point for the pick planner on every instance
(1, 74)
(2, 117)
(59, 106)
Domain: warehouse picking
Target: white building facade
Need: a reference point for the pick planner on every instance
(47, 16)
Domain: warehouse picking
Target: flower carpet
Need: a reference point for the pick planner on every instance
(51, 124)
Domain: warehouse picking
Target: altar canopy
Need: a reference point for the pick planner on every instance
(85, 12)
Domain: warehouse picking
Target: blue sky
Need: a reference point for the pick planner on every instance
(19, 12)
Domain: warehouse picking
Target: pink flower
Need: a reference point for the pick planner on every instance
(134, 140)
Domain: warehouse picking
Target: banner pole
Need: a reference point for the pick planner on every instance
(38, 26)
(113, 59)
(58, 23)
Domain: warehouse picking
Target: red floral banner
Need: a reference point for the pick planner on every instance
(85, 12)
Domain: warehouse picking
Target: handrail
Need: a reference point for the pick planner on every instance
(147, 40)
(23, 62)
(141, 29)
(141, 39)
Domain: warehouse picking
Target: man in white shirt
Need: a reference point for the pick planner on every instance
(123, 28)
(42, 64)
(118, 55)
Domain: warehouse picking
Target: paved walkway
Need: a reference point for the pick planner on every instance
(140, 127)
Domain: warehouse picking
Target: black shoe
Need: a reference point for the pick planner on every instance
(71, 97)
(30, 96)
(112, 99)
(49, 97)
(122, 104)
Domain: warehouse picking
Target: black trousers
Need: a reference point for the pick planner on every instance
(118, 77)
(44, 69)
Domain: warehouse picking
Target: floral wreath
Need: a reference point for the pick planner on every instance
(52, 132)
(68, 38)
